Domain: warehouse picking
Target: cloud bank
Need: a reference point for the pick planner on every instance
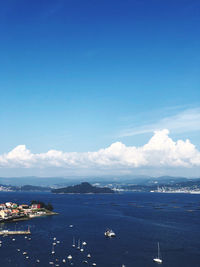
(160, 151)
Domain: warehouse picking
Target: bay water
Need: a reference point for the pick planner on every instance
(140, 221)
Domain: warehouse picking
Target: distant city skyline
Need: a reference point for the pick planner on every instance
(100, 87)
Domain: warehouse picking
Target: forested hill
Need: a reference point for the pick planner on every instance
(83, 188)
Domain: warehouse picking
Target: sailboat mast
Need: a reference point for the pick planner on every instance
(158, 251)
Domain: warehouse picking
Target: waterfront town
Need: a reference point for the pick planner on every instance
(13, 212)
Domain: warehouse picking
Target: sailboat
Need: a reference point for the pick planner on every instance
(158, 259)
(82, 248)
(78, 247)
(73, 244)
(53, 251)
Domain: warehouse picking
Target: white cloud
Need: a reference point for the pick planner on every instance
(160, 151)
(185, 121)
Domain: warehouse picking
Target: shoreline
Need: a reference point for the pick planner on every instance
(49, 213)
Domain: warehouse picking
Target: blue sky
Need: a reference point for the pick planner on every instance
(78, 76)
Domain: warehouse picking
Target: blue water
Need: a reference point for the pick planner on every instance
(139, 220)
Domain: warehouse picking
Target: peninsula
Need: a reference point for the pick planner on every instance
(83, 188)
(16, 212)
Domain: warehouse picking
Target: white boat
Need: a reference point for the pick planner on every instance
(84, 243)
(69, 257)
(158, 259)
(53, 251)
(89, 255)
(78, 247)
(82, 248)
(109, 233)
(73, 244)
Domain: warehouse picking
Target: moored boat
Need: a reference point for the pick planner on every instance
(109, 233)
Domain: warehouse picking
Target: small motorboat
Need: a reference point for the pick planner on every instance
(69, 257)
(109, 233)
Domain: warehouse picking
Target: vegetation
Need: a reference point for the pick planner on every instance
(83, 188)
(43, 205)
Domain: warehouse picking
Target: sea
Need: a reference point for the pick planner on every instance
(139, 220)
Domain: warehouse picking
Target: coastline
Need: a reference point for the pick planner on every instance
(27, 218)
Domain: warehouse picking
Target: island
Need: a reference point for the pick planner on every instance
(83, 188)
(16, 212)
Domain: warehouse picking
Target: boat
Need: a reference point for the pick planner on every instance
(82, 248)
(73, 244)
(84, 243)
(89, 255)
(109, 233)
(158, 259)
(53, 251)
(69, 257)
(78, 247)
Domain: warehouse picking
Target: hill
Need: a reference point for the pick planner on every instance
(83, 188)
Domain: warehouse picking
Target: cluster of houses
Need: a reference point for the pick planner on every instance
(9, 211)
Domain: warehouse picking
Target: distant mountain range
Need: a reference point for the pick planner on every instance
(57, 182)
(24, 188)
(135, 183)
